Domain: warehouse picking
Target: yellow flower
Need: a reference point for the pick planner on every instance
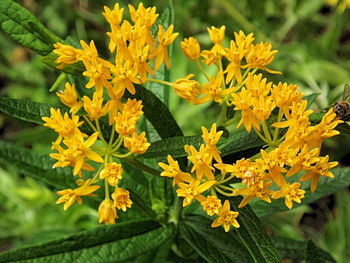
(243, 42)
(78, 150)
(64, 126)
(173, 171)
(164, 40)
(243, 100)
(144, 16)
(201, 162)
(139, 57)
(134, 107)
(193, 190)
(125, 76)
(217, 34)
(211, 205)
(320, 169)
(226, 217)
(258, 86)
(94, 107)
(234, 68)
(304, 160)
(187, 88)
(262, 107)
(260, 56)
(121, 198)
(284, 94)
(69, 196)
(125, 123)
(191, 48)
(262, 193)
(107, 212)
(291, 192)
(113, 171)
(136, 143)
(211, 139)
(66, 54)
(69, 97)
(114, 17)
(213, 90)
(323, 130)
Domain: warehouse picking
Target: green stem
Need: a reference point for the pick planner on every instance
(160, 81)
(223, 192)
(223, 114)
(275, 135)
(201, 69)
(58, 81)
(121, 156)
(175, 213)
(259, 134)
(267, 133)
(100, 135)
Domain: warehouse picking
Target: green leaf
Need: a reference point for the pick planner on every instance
(27, 110)
(326, 186)
(310, 99)
(214, 245)
(252, 233)
(75, 69)
(116, 243)
(294, 249)
(175, 146)
(157, 113)
(24, 28)
(31, 111)
(37, 166)
(315, 255)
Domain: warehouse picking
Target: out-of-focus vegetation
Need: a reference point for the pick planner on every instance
(313, 39)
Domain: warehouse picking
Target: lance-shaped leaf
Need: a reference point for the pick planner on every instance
(326, 186)
(175, 146)
(31, 111)
(315, 255)
(157, 113)
(213, 245)
(294, 249)
(120, 242)
(24, 28)
(253, 234)
(37, 166)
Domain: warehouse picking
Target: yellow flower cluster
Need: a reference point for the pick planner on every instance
(202, 178)
(341, 4)
(134, 49)
(260, 103)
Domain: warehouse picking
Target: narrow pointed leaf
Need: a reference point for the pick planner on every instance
(37, 166)
(31, 111)
(314, 255)
(175, 146)
(24, 28)
(213, 245)
(104, 244)
(252, 232)
(157, 113)
(295, 250)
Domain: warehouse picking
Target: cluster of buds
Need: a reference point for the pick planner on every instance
(134, 49)
(260, 103)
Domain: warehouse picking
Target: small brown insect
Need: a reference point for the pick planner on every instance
(342, 108)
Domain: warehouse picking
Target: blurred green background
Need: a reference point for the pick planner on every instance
(313, 39)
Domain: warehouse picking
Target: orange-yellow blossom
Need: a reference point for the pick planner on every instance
(191, 48)
(226, 217)
(121, 198)
(113, 171)
(69, 97)
(69, 196)
(193, 190)
(107, 212)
